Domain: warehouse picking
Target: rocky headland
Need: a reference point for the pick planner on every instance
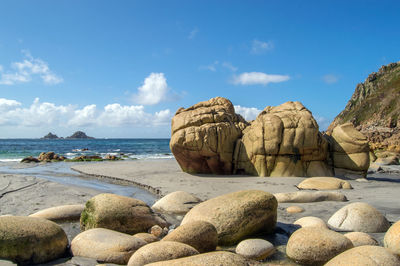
(374, 109)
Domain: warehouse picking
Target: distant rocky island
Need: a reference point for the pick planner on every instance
(76, 135)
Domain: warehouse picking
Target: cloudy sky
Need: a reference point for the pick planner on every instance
(122, 68)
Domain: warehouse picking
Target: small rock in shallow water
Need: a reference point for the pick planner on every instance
(294, 209)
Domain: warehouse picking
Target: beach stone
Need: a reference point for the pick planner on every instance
(361, 239)
(313, 245)
(149, 238)
(199, 234)
(391, 160)
(203, 136)
(324, 183)
(31, 240)
(294, 209)
(237, 215)
(349, 151)
(359, 217)
(283, 141)
(157, 231)
(161, 251)
(220, 258)
(365, 255)
(310, 221)
(308, 196)
(392, 238)
(256, 249)
(178, 202)
(64, 213)
(119, 213)
(106, 245)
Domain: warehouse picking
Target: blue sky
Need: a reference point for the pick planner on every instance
(122, 68)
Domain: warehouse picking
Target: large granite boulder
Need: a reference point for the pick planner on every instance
(392, 238)
(178, 202)
(315, 246)
(119, 213)
(203, 136)
(359, 217)
(365, 255)
(199, 234)
(349, 151)
(161, 251)
(282, 141)
(106, 245)
(220, 258)
(237, 214)
(28, 240)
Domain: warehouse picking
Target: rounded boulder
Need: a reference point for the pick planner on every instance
(312, 245)
(365, 255)
(310, 221)
(361, 239)
(199, 234)
(106, 245)
(64, 213)
(119, 213)
(256, 249)
(161, 251)
(178, 202)
(31, 240)
(324, 183)
(392, 238)
(220, 258)
(237, 215)
(359, 217)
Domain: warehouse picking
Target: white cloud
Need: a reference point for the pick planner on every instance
(193, 33)
(211, 67)
(260, 47)
(249, 113)
(40, 114)
(330, 78)
(323, 122)
(22, 72)
(254, 78)
(229, 66)
(153, 90)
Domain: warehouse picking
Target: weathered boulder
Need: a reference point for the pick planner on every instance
(237, 215)
(256, 249)
(310, 221)
(282, 141)
(199, 234)
(149, 238)
(391, 160)
(313, 245)
(30, 159)
(31, 240)
(161, 251)
(308, 196)
(220, 258)
(119, 213)
(203, 136)
(178, 202)
(359, 217)
(365, 255)
(349, 151)
(64, 213)
(106, 245)
(392, 238)
(361, 239)
(324, 183)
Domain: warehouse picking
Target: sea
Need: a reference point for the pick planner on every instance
(12, 151)
(131, 149)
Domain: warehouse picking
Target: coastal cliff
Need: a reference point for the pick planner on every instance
(374, 108)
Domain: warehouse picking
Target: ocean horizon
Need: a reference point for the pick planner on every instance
(15, 149)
